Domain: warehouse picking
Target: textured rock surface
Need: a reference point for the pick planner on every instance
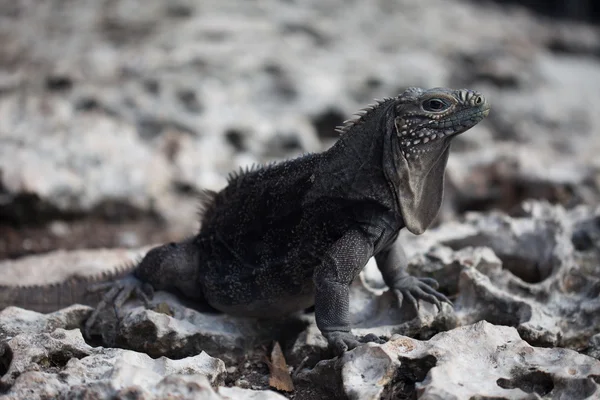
(537, 271)
(113, 115)
(55, 364)
(188, 95)
(60, 364)
(173, 330)
(543, 285)
(14, 320)
(475, 361)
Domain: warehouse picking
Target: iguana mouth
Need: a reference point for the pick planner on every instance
(448, 126)
(460, 122)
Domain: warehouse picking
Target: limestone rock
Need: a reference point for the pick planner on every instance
(474, 361)
(42, 365)
(174, 330)
(14, 320)
(539, 283)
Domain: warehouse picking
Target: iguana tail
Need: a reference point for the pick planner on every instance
(52, 297)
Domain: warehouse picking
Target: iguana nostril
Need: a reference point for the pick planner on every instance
(478, 100)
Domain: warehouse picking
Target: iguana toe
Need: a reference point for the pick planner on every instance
(413, 289)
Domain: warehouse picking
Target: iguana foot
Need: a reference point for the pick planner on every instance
(119, 292)
(412, 289)
(340, 341)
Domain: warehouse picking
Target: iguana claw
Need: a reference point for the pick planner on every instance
(413, 289)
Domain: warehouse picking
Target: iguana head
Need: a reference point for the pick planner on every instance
(426, 118)
(415, 156)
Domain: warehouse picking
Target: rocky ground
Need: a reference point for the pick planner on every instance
(115, 114)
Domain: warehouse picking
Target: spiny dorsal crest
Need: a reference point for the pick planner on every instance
(82, 280)
(361, 115)
(205, 201)
(237, 175)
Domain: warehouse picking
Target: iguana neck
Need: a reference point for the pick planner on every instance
(353, 168)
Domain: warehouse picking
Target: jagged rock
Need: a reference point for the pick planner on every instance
(42, 365)
(532, 246)
(42, 356)
(247, 394)
(540, 284)
(560, 307)
(14, 320)
(445, 265)
(174, 330)
(174, 386)
(586, 229)
(475, 361)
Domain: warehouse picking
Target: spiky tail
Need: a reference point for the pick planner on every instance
(52, 297)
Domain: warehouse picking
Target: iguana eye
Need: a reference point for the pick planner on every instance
(435, 105)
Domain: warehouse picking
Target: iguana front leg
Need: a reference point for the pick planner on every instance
(392, 263)
(344, 260)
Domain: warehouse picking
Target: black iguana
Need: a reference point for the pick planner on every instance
(284, 237)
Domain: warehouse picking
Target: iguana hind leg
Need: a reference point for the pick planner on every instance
(172, 267)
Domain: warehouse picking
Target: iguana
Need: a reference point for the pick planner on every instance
(283, 237)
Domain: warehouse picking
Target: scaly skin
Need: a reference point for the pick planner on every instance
(281, 238)
(52, 297)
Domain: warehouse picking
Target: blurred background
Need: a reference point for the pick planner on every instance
(114, 114)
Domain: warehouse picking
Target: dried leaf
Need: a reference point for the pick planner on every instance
(280, 378)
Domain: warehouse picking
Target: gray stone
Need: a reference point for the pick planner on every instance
(445, 265)
(14, 320)
(58, 363)
(171, 329)
(558, 308)
(248, 394)
(539, 283)
(475, 361)
(191, 90)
